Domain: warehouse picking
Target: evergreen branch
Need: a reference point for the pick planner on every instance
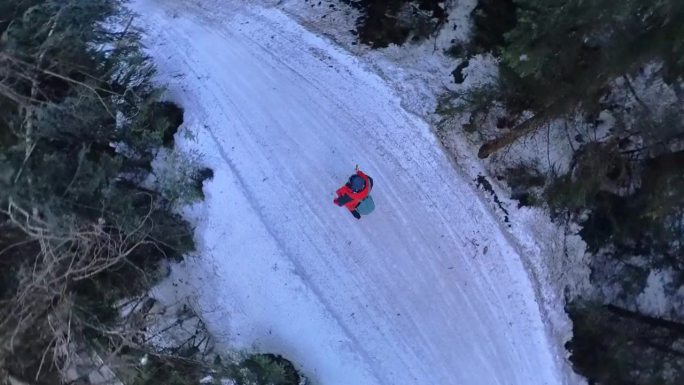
(67, 79)
(29, 151)
(9, 93)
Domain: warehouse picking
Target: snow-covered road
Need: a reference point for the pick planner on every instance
(426, 290)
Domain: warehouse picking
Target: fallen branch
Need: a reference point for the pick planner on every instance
(523, 129)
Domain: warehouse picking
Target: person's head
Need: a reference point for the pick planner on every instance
(356, 183)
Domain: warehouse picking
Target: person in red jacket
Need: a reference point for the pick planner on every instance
(354, 191)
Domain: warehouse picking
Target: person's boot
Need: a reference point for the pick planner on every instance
(356, 214)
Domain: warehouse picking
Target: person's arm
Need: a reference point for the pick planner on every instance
(361, 174)
(342, 200)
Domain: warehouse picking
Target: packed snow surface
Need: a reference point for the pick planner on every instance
(428, 289)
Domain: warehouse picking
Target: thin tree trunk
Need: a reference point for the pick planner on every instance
(676, 327)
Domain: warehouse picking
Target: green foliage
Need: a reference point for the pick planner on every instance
(572, 49)
(626, 187)
(80, 123)
(161, 370)
(180, 177)
(646, 220)
(76, 88)
(616, 346)
(392, 22)
(84, 221)
(477, 101)
(257, 369)
(526, 184)
(491, 20)
(593, 166)
(561, 57)
(268, 369)
(644, 225)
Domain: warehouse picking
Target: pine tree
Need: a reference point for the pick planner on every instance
(72, 87)
(563, 54)
(626, 190)
(617, 346)
(80, 122)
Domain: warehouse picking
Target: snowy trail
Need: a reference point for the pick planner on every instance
(426, 290)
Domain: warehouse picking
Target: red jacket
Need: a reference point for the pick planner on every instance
(350, 199)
